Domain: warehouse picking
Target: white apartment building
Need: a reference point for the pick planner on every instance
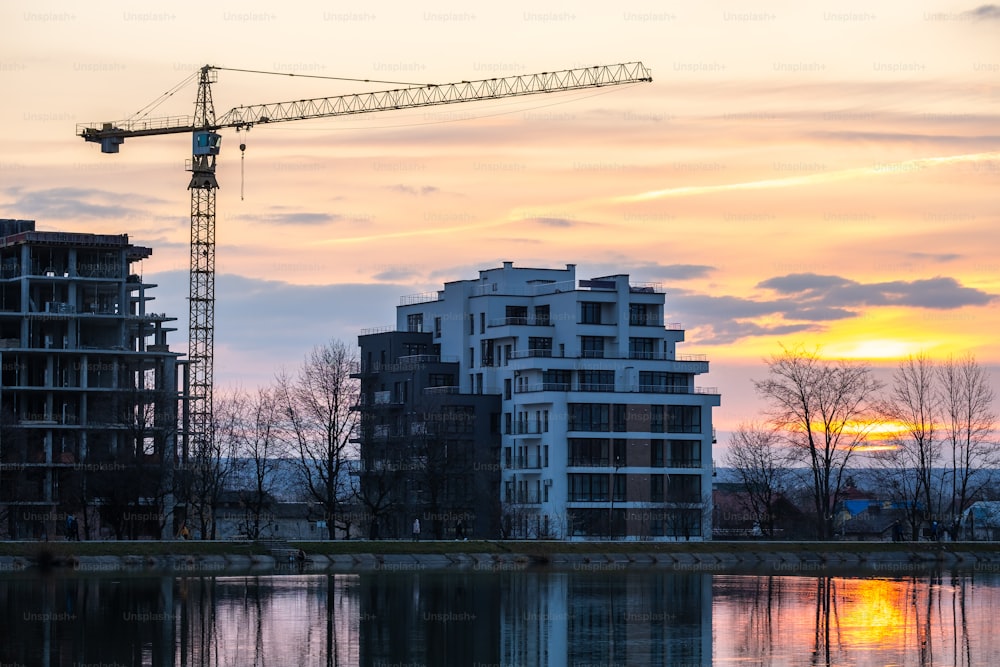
(604, 432)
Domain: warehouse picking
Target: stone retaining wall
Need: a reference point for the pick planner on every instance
(891, 563)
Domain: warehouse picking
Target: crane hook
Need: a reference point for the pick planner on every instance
(243, 150)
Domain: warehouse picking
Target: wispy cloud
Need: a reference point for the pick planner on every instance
(410, 190)
(807, 301)
(878, 169)
(302, 218)
(68, 203)
(985, 13)
(939, 293)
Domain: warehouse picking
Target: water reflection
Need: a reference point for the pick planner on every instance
(923, 620)
(650, 617)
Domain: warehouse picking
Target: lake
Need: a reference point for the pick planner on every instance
(484, 619)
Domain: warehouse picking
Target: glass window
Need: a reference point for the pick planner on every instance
(592, 347)
(683, 419)
(539, 347)
(542, 315)
(642, 348)
(589, 417)
(656, 488)
(659, 382)
(597, 381)
(590, 312)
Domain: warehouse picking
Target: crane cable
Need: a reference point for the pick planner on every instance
(146, 110)
(319, 76)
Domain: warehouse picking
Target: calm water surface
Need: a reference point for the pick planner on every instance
(406, 619)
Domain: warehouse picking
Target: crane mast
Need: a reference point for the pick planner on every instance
(201, 288)
(206, 143)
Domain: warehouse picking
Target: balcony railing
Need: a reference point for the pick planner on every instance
(664, 389)
(521, 321)
(524, 290)
(408, 363)
(526, 463)
(595, 386)
(543, 386)
(681, 463)
(524, 354)
(674, 389)
(589, 462)
(424, 297)
(589, 497)
(419, 359)
(609, 354)
(441, 390)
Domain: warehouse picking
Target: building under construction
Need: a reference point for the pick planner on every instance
(88, 390)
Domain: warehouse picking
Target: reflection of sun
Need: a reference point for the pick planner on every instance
(871, 612)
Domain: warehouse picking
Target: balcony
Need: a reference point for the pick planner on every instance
(521, 322)
(673, 389)
(424, 297)
(526, 354)
(682, 463)
(522, 428)
(440, 390)
(526, 463)
(595, 386)
(589, 462)
(409, 363)
(543, 386)
(589, 497)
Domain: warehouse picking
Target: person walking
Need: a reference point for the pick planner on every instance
(416, 529)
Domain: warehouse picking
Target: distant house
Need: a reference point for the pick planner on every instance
(869, 519)
(278, 519)
(732, 520)
(981, 522)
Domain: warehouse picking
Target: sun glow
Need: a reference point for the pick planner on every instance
(872, 612)
(872, 349)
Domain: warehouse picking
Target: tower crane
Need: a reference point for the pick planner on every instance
(204, 128)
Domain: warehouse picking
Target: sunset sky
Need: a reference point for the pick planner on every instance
(816, 173)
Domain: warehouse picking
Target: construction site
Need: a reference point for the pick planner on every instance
(88, 391)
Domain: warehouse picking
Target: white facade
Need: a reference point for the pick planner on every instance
(604, 433)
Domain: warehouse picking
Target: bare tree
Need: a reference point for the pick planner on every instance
(823, 410)
(756, 455)
(211, 466)
(256, 436)
(134, 480)
(319, 424)
(967, 399)
(907, 464)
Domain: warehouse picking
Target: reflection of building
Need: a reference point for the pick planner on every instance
(411, 617)
(607, 618)
(604, 433)
(428, 451)
(88, 388)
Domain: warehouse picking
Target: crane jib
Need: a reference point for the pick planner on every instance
(111, 135)
(206, 142)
